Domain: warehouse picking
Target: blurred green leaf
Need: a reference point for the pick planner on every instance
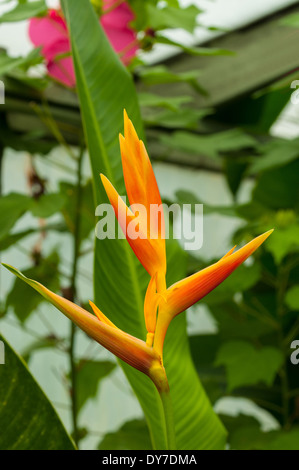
(236, 423)
(196, 51)
(276, 153)
(160, 74)
(172, 103)
(28, 420)
(24, 300)
(88, 378)
(45, 342)
(13, 238)
(12, 207)
(87, 207)
(278, 188)
(247, 365)
(291, 20)
(7, 63)
(235, 323)
(252, 438)
(235, 170)
(283, 242)
(292, 298)
(180, 119)
(171, 17)
(24, 11)
(212, 145)
(204, 349)
(186, 197)
(48, 204)
(32, 142)
(133, 435)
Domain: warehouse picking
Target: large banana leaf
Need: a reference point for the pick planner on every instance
(105, 88)
(28, 420)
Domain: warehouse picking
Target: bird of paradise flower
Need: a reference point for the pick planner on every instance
(161, 304)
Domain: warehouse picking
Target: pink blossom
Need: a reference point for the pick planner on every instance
(51, 34)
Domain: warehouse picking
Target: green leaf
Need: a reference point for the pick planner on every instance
(275, 154)
(234, 322)
(24, 11)
(12, 207)
(283, 241)
(292, 298)
(186, 197)
(171, 17)
(179, 119)
(12, 239)
(133, 435)
(88, 377)
(105, 88)
(8, 64)
(247, 365)
(213, 146)
(28, 420)
(160, 74)
(31, 142)
(291, 20)
(48, 205)
(252, 438)
(23, 300)
(196, 51)
(172, 103)
(87, 212)
(46, 342)
(278, 188)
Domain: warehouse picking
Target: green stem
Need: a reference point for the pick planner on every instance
(283, 277)
(1, 168)
(73, 291)
(158, 376)
(169, 420)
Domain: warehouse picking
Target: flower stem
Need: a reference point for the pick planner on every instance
(169, 421)
(73, 291)
(158, 376)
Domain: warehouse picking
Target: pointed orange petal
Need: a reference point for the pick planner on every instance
(142, 247)
(126, 347)
(100, 315)
(140, 180)
(187, 292)
(230, 252)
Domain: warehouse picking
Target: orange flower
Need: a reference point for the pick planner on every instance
(144, 232)
(161, 305)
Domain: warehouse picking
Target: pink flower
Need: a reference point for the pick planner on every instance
(50, 32)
